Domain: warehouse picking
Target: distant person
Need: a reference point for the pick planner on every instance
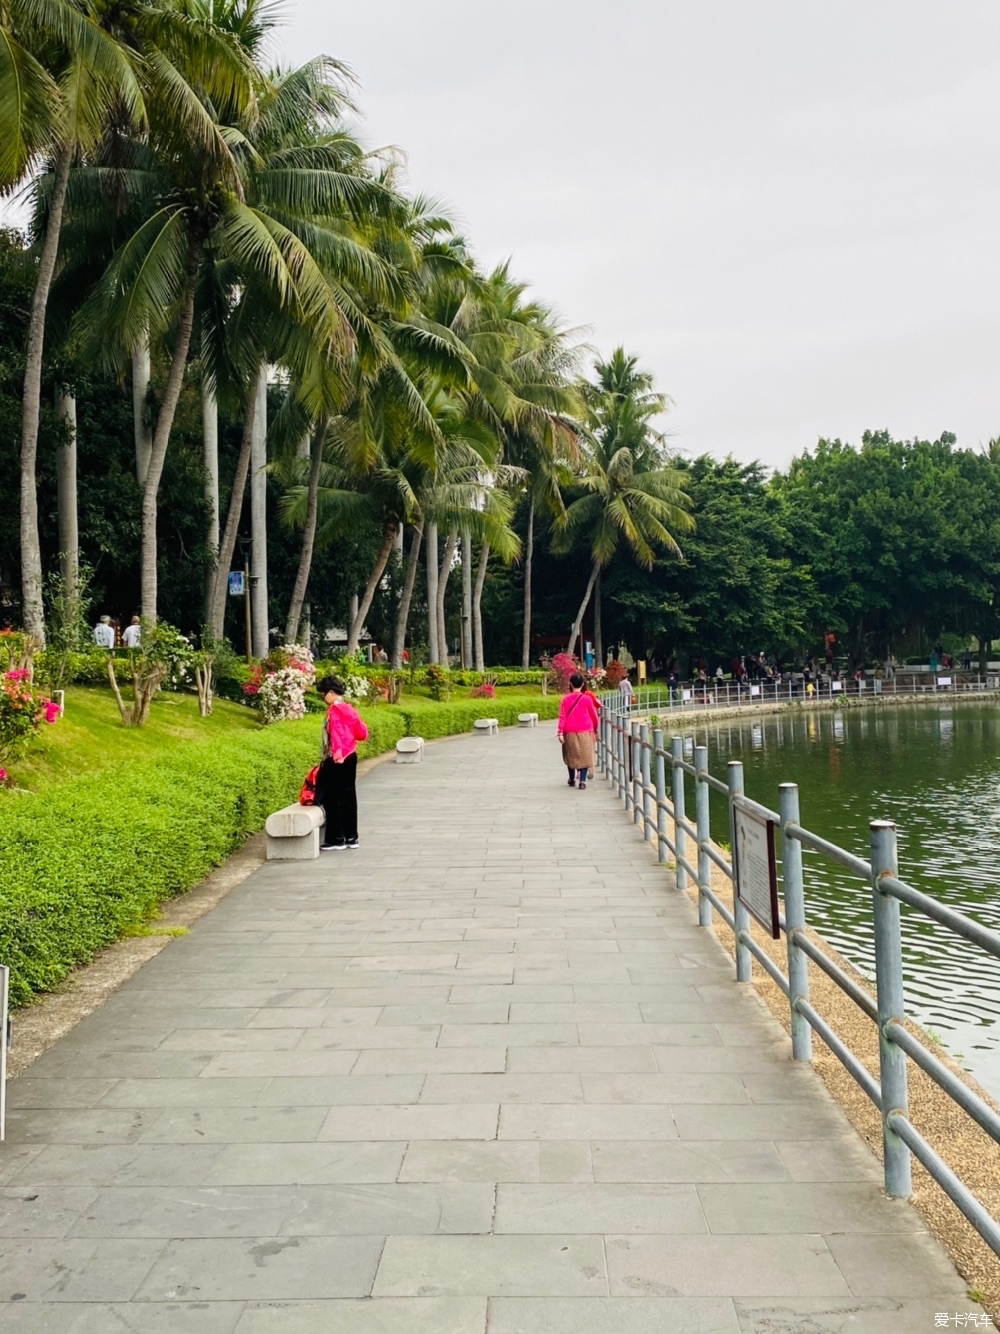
(625, 686)
(577, 730)
(935, 660)
(336, 783)
(132, 633)
(104, 634)
(381, 656)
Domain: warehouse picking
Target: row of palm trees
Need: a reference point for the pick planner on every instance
(204, 216)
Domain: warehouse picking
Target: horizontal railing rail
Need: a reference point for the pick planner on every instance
(727, 694)
(651, 777)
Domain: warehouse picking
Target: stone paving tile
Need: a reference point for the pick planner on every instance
(706, 1266)
(612, 1315)
(215, 1269)
(305, 1164)
(526, 1266)
(385, 1315)
(485, 1077)
(840, 1315)
(120, 1317)
(598, 1207)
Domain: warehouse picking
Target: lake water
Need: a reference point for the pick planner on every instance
(935, 771)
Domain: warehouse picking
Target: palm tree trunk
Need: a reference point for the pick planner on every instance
(466, 598)
(141, 376)
(598, 628)
(477, 608)
(210, 455)
(583, 608)
(161, 439)
(444, 574)
(368, 597)
(529, 551)
(32, 608)
(308, 537)
(406, 597)
(432, 587)
(258, 522)
(69, 523)
(227, 545)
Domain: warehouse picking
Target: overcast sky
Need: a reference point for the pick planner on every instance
(789, 211)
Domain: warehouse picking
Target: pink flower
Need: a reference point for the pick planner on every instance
(18, 674)
(4, 777)
(52, 710)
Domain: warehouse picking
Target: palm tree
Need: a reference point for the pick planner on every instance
(61, 77)
(630, 490)
(266, 220)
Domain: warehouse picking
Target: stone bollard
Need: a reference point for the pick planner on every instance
(410, 750)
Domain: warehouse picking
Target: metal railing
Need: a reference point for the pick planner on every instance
(733, 695)
(650, 778)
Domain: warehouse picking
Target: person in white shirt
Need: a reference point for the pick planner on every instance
(104, 634)
(625, 686)
(133, 633)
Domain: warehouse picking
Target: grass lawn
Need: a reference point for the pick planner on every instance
(90, 736)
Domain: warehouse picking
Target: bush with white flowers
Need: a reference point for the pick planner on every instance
(357, 688)
(282, 695)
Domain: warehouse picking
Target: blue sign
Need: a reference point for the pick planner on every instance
(236, 589)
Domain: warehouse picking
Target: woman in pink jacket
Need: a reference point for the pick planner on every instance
(577, 730)
(336, 789)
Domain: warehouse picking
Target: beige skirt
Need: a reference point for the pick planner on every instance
(578, 750)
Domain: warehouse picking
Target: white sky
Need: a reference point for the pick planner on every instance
(789, 212)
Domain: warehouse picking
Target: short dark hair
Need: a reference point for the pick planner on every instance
(331, 683)
(576, 680)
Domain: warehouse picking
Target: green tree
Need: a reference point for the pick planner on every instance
(631, 492)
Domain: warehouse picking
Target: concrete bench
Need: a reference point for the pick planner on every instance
(410, 750)
(293, 833)
(527, 720)
(486, 726)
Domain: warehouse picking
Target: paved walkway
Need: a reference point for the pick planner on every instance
(484, 1074)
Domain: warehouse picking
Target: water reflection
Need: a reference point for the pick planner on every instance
(936, 772)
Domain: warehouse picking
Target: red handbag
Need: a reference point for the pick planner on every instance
(307, 797)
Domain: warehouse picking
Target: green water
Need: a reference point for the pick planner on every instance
(935, 771)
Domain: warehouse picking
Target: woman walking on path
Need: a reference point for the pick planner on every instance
(577, 730)
(336, 789)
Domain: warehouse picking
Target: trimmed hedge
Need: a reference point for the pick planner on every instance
(436, 720)
(92, 858)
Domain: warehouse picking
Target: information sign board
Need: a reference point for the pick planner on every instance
(944, 681)
(236, 587)
(756, 868)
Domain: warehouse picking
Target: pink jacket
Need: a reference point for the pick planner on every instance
(342, 731)
(578, 713)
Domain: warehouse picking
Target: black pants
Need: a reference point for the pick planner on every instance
(573, 773)
(336, 792)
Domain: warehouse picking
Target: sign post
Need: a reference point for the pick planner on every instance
(756, 868)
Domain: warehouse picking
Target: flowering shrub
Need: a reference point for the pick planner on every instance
(563, 667)
(439, 680)
(486, 691)
(296, 656)
(282, 695)
(252, 687)
(357, 688)
(615, 674)
(22, 712)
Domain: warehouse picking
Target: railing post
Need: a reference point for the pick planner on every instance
(744, 959)
(795, 920)
(889, 984)
(636, 806)
(680, 837)
(648, 827)
(703, 819)
(660, 771)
